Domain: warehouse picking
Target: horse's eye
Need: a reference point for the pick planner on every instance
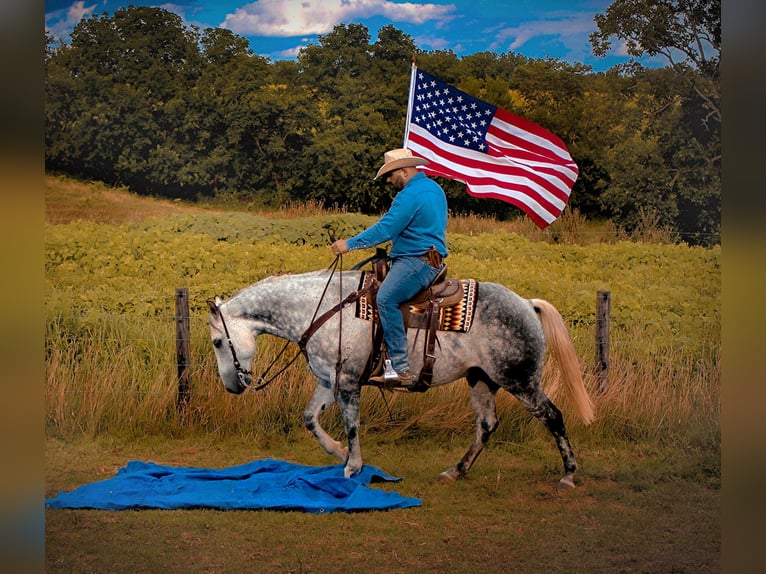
(217, 343)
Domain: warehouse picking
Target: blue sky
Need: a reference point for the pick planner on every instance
(277, 29)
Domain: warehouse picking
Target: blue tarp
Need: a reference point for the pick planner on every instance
(261, 484)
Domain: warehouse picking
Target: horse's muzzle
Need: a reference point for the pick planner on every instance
(241, 381)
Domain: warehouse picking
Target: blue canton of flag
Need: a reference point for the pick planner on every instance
(451, 115)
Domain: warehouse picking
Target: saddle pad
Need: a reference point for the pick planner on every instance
(458, 317)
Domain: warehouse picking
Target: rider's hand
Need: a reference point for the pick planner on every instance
(339, 247)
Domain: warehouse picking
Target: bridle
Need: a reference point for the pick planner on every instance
(245, 375)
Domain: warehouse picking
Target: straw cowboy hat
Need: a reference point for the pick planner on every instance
(397, 159)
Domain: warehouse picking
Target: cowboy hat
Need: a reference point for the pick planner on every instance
(397, 159)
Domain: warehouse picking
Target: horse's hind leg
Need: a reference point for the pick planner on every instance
(323, 398)
(483, 403)
(542, 408)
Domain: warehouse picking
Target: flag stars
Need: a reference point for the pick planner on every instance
(449, 114)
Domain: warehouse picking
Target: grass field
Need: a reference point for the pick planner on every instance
(648, 495)
(637, 509)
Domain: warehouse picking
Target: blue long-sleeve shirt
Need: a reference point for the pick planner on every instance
(416, 220)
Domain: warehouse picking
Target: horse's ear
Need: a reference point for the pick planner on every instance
(213, 305)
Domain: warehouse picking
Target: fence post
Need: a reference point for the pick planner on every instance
(183, 347)
(603, 300)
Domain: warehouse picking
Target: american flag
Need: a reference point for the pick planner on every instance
(495, 153)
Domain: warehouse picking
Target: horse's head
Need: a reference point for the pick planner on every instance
(234, 347)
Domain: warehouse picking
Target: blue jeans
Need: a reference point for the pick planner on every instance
(405, 278)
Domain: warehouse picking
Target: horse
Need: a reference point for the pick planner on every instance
(505, 348)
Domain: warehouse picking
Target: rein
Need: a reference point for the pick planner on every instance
(316, 322)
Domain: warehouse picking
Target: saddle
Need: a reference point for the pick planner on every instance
(446, 304)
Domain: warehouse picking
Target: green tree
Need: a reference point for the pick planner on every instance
(354, 104)
(687, 33)
(115, 108)
(220, 47)
(685, 110)
(341, 54)
(221, 113)
(658, 169)
(138, 99)
(60, 110)
(686, 115)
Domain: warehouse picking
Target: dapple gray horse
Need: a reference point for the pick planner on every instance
(505, 348)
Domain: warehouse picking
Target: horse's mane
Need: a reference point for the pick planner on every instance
(281, 277)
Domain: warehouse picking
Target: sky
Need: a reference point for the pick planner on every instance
(278, 29)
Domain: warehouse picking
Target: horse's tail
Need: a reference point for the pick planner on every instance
(560, 345)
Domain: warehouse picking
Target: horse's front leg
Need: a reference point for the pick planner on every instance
(322, 399)
(348, 401)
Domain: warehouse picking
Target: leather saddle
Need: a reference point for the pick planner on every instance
(423, 311)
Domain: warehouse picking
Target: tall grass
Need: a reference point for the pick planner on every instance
(571, 228)
(119, 377)
(110, 376)
(110, 345)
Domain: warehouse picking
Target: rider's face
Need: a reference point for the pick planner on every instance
(396, 179)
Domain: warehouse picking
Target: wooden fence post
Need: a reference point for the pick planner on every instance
(603, 300)
(183, 347)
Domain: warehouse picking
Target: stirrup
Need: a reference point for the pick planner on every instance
(388, 378)
(389, 374)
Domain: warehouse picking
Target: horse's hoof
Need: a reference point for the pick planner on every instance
(349, 471)
(448, 476)
(566, 483)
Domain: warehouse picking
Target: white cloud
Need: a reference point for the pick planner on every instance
(621, 48)
(63, 21)
(437, 43)
(308, 17)
(569, 30)
(290, 53)
(177, 9)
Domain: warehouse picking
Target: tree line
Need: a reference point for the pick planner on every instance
(138, 99)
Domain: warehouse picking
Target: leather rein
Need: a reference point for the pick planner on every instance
(316, 322)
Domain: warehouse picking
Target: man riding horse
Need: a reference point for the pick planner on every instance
(416, 225)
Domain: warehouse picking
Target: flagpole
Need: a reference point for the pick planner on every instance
(409, 102)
